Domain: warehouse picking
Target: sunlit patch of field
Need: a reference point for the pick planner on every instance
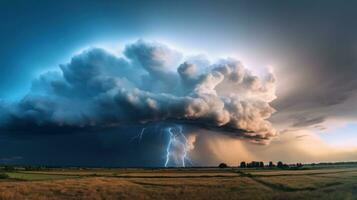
(202, 183)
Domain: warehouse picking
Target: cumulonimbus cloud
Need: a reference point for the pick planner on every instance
(150, 83)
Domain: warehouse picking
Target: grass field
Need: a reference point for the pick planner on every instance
(201, 183)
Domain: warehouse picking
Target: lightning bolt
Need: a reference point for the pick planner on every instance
(139, 136)
(177, 139)
(172, 138)
(177, 146)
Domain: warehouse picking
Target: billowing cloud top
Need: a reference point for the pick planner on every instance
(151, 83)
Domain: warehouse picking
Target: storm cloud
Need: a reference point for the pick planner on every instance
(151, 83)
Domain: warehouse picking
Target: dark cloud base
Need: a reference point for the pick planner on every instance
(108, 148)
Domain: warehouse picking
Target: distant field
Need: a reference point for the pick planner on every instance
(206, 183)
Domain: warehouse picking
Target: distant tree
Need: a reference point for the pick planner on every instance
(254, 164)
(280, 164)
(261, 164)
(271, 164)
(243, 165)
(223, 165)
(299, 165)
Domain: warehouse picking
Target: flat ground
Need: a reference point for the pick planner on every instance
(203, 183)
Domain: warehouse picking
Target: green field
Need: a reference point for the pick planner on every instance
(337, 182)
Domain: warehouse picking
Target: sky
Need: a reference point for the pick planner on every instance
(173, 83)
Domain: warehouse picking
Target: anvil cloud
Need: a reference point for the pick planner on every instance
(150, 83)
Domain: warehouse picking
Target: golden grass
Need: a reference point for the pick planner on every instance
(185, 184)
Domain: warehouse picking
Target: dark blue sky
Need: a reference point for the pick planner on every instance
(40, 35)
(312, 46)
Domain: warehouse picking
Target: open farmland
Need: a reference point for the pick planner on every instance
(201, 183)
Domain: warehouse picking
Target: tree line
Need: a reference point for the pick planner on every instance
(260, 164)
